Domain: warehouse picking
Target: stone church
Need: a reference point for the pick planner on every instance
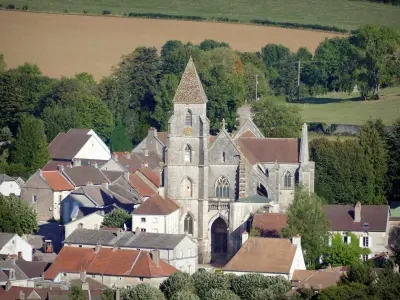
(220, 181)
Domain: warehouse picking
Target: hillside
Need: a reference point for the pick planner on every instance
(340, 13)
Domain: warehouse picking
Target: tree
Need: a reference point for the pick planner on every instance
(58, 119)
(184, 295)
(204, 281)
(29, 69)
(116, 218)
(359, 273)
(76, 293)
(250, 72)
(219, 294)
(119, 140)
(3, 65)
(276, 120)
(387, 285)
(108, 294)
(341, 254)
(178, 281)
(142, 291)
(307, 218)
(345, 292)
(393, 141)
(211, 44)
(175, 55)
(16, 216)
(374, 144)
(30, 147)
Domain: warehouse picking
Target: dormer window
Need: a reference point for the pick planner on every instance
(188, 119)
(366, 225)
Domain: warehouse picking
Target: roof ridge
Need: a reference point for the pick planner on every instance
(134, 263)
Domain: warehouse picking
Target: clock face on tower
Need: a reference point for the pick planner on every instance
(187, 131)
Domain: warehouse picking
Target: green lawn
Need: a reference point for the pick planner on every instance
(341, 13)
(337, 108)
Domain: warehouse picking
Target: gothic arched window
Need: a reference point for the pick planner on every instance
(187, 154)
(188, 225)
(187, 187)
(222, 187)
(287, 180)
(188, 119)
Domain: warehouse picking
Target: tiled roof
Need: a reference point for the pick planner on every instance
(268, 150)
(162, 136)
(156, 205)
(123, 195)
(52, 165)
(264, 255)
(56, 181)
(98, 194)
(5, 238)
(270, 224)
(341, 217)
(5, 177)
(19, 274)
(141, 240)
(153, 176)
(247, 134)
(67, 145)
(112, 175)
(108, 261)
(83, 175)
(190, 89)
(93, 284)
(14, 293)
(141, 185)
(153, 160)
(130, 161)
(315, 279)
(32, 269)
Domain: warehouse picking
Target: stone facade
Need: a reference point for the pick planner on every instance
(213, 178)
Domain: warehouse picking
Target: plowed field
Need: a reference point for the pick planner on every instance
(62, 45)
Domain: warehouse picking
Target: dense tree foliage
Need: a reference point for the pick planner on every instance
(16, 216)
(142, 291)
(119, 140)
(307, 218)
(393, 141)
(177, 282)
(116, 218)
(76, 293)
(108, 294)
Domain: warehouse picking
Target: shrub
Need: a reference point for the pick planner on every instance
(65, 11)
(1, 6)
(178, 281)
(204, 281)
(25, 7)
(10, 6)
(85, 12)
(106, 12)
(184, 295)
(218, 294)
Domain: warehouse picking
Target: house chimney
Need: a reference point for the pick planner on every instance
(82, 275)
(21, 295)
(245, 236)
(117, 294)
(77, 162)
(115, 156)
(105, 185)
(61, 168)
(145, 152)
(97, 248)
(155, 256)
(296, 240)
(128, 155)
(20, 255)
(95, 165)
(145, 164)
(89, 183)
(152, 131)
(357, 212)
(8, 285)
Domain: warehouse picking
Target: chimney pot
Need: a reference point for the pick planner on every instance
(128, 155)
(21, 295)
(8, 285)
(97, 249)
(105, 185)
(296, 240)
(357, 212)
(145, 152)
(82, 276)
(245, 236)
(155, 256)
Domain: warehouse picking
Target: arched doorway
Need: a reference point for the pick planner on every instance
(219, 239)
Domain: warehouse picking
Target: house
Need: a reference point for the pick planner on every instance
(269, 224)
(44, 191)
(78, 144)
(267, 256)
(110, 266)
(157, 215)
(90, 221)
(368, 222)
(13, 244)
(178, 250)
(10, 185)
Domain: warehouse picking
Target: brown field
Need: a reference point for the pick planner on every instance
(62, 45)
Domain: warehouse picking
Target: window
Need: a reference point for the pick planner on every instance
(266, 172)
(143, 220)
(187, 188)
(187, 154)
(143, 230)
(288, 180)
(155, 220)
(365, 242)
(188, 119)
(34, 198)
(222, 187)
(223, 156)
(365, 257)
(188, 225)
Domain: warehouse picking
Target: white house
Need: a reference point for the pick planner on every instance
(13, 244)
(157, 215)
(268, 256)
(370, 223)
(91, 221)
(10, 185)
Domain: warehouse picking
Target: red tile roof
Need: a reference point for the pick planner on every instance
(141, 185)
(130, 161)
(156, 205)
(248, 133)
(270, 224)
(153, 176)
(269, 150)
(56, 181)
(108, 261)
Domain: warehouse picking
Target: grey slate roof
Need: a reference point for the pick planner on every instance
(101, 196)
(67, 145)
(5, 177)
(4, 238)
(142, 240)
(122, 195)
(81, 175)
(19, 274)
(32, 269)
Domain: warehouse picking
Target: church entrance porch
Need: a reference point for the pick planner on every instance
(219, 241)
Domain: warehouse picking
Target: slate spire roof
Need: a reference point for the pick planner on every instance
(190, 89)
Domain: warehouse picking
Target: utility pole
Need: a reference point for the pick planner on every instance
(298, 80)
(257, 87)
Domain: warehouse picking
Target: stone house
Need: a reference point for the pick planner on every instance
(13, 244)
(267, 256)
(90, 221)
(209, 176)
(179, 250)
(157, 215)
(10, 185)
(368, 222)
(111, 266)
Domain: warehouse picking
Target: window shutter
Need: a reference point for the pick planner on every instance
(349, 239)
(369, 242)
(361, 242)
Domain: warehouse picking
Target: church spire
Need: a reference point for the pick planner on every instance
(190, 89)
(304, 154)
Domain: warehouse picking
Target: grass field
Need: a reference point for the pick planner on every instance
(338, 108)
(345, 14)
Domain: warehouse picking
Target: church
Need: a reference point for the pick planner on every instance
(220, 181)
